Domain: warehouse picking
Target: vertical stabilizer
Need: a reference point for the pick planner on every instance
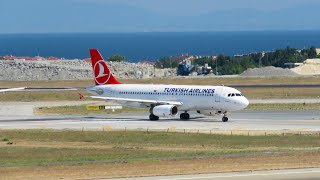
(102, 74)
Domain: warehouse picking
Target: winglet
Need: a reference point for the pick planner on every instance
(102, 74)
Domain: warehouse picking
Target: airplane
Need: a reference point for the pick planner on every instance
(12, 89)
(164, 100)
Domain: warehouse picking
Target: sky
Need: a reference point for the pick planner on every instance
(60, 16)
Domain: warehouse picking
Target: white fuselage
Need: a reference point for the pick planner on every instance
(193, 98)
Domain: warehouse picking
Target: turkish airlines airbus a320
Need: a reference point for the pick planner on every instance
(164, 100)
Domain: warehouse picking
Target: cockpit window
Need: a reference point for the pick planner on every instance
(234, 94)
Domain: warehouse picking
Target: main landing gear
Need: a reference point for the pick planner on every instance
(184, 116)
(153, 117)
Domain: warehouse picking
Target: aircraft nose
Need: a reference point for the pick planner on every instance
(245, 102)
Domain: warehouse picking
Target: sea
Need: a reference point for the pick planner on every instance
(154, 45)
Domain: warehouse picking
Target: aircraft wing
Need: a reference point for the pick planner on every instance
(12, 89)
(146, 101)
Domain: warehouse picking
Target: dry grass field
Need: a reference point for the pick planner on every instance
(280, 93)
(169, 167)
(227, 81)
(45, 154)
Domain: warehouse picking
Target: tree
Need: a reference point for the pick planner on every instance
(312, 52)
(203, 61)
(116, 58)
(238, 64)
(166, 62)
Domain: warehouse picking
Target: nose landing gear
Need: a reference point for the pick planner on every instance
(225, 118)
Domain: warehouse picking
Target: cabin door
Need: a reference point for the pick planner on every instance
(218, 93)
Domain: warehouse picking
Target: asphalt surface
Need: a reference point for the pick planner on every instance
(291, 174)
(241, 120)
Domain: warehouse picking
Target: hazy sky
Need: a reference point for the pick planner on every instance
(32, 16)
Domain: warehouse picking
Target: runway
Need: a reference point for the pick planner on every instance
(241, 120)
(292, 174)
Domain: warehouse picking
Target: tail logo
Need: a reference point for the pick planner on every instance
(102, 75)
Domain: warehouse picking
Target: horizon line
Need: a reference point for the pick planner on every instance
(146, 32)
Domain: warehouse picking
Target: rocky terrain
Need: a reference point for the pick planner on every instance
(74, 69)
(78, 69)
(309, 67)
(269, 71)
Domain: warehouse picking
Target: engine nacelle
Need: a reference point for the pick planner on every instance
(209, 112)
(164, 110)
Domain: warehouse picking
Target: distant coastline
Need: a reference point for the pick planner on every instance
(141, 46)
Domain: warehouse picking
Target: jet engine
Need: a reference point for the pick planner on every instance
(164, 110)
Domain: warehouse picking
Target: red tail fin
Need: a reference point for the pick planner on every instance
(102, 74)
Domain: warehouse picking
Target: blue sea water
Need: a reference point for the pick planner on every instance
(151, 46)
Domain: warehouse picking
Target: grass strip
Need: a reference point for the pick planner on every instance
(219, 80)
(150, 139)
(285, 106)
(44, 146)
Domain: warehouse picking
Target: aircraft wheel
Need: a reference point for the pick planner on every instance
(184, 116)
(153, 117)
(225, 119)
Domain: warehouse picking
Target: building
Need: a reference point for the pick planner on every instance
(318, 51)
(52, 58)
(292, 65)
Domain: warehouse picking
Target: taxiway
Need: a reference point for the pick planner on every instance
(241, 120)
(292, 174)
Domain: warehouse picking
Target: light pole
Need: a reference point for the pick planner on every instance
(216, 66)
